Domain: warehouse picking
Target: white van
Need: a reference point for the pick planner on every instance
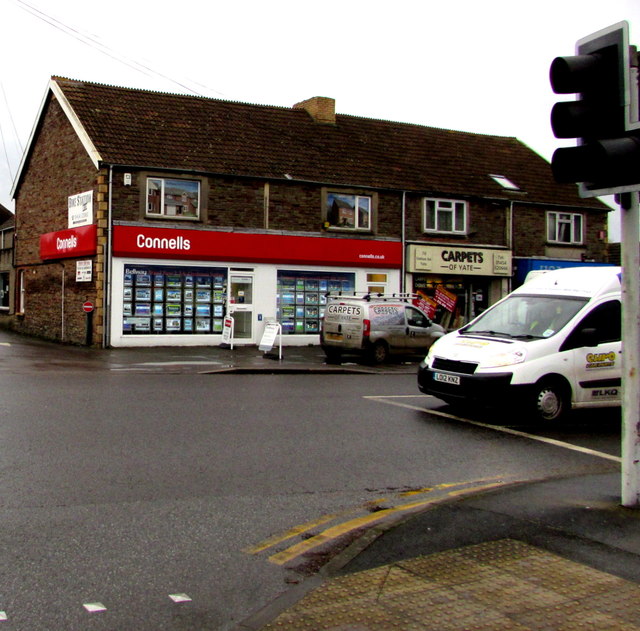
(551, 345)
(375, 326)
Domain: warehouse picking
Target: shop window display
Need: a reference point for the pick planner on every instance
(173, 300)
(301, 298)
(453, 301)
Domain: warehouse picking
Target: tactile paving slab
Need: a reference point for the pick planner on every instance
(503, 585)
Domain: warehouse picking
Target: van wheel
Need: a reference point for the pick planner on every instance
(551, 400)
(379, 353)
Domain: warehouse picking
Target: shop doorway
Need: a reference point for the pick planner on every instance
(241, 305)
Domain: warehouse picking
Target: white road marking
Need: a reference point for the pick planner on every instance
(94, 607)
(505, 430)
(195, 362)
(3, 615)
(180, 598)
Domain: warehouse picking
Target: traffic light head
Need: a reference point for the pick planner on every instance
(599, 112)
(607, 156)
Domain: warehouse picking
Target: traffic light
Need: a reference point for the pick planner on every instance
(607, 156)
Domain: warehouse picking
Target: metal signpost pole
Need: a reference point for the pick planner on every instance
(630, 254)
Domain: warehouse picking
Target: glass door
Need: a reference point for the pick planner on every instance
(241, 305)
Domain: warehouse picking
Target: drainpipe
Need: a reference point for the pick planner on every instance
(62, 307)
(510, 240)
(106, 301)
(403, 284)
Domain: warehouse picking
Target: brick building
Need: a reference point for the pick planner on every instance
(169, 212)
(6, 262)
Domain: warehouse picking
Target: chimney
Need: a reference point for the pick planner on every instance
(321, 108)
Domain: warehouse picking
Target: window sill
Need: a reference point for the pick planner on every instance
(441, 233)
(172, 218)
(348, 230)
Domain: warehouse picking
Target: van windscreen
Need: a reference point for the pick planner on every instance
(526, 317)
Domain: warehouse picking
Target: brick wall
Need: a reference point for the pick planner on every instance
(240, 203)
(487, 224)
(57, 167)
(530, 236)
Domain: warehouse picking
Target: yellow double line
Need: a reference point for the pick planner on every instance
(334, 532)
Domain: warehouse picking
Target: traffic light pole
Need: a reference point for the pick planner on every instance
(630, 254)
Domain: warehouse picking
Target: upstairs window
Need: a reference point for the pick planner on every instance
(564, 228)
(173, 198)
(349, 211)
(445, 215)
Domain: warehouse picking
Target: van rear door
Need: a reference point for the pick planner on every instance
(343, 324)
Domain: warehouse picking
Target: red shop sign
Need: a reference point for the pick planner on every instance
(446, 298)
(210, 245)
(71, 243)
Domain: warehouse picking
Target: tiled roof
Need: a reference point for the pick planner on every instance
(159, 130)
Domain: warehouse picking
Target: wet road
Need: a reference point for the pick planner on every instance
(140, 494)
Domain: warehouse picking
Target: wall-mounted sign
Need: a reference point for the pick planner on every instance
(80, 209)
(211, 245)
(71, 243)
(84, 271)
(460, 260)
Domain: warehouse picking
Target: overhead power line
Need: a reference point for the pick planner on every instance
(96, 44)
(13, 123)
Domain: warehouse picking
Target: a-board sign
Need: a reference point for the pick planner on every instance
(271, 330)
(227, 330)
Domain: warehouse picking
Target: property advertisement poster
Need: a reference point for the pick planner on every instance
(445, 298)
(426, 304)
(80, 209)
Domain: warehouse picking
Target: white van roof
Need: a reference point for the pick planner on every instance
(583, 282)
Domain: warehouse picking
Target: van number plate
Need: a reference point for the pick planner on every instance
(453, 379)
(333, 336)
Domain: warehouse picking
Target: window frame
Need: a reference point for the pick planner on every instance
(22, 292)
(440, 210)
(356, 194)
(5, 290)
(163, 179)
(555, 225)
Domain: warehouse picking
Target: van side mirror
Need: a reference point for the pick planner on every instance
(589, 336)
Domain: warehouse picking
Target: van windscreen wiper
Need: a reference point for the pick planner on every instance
(488, 332)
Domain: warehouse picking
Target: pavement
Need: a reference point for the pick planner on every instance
(550, 555)
(547, 556)
(28, 353)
